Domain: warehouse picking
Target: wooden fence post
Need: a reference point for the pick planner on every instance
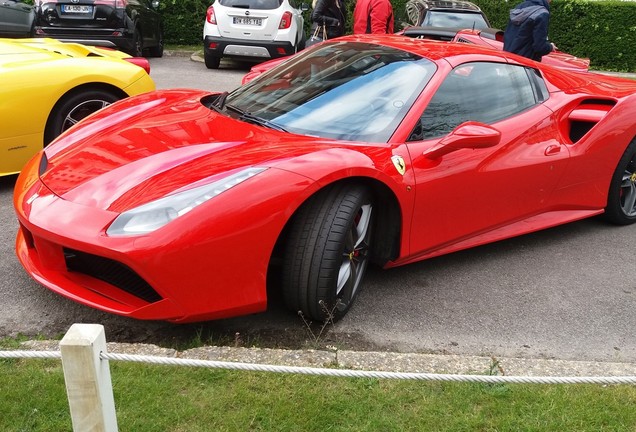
(87, 376)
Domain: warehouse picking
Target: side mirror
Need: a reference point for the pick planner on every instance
(468, 135)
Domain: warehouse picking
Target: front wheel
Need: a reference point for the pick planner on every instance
(328, 252)
(74, 108)
(157, 50)
(621, 200)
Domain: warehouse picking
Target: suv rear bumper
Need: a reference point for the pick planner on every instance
(242, 48)
(122, 43)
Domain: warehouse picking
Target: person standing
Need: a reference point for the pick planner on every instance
(331, 14)
(373, 16)
(527, 31)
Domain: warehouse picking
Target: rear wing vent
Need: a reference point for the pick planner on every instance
(586, 115)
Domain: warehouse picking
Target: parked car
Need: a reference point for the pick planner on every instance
(492, 37)
(363, 149)
(48, 86)
(486, 37)
(442, 13)
(252, 30)
(16, 19)
(132, 26)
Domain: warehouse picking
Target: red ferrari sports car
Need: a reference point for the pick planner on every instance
(183, 205)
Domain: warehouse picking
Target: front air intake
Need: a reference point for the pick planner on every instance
(111, 272)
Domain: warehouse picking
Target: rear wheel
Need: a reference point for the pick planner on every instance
(212, 62)
(73, 108)
(137, 46)
(328, 252)
(621, 200)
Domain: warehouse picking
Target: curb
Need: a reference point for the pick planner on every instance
(373, 360)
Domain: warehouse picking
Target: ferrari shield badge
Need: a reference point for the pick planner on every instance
(399, 164)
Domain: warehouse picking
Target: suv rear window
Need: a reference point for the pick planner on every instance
(445, 18)
(252, 4)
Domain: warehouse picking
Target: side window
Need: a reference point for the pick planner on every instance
(483, 92)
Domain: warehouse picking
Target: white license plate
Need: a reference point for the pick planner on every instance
(82, 9)
(248, 21)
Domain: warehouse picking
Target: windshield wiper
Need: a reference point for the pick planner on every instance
(249, 117)
(219, 102)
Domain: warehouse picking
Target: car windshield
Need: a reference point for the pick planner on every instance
(342, 90)
(463, 20)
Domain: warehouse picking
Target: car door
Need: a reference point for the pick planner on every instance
(16, 18)
(473, 191)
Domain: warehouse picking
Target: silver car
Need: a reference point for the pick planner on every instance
(16, 19)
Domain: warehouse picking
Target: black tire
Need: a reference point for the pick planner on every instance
(73, 108)
(137, 45)
(302, 43)
(328, 251)
(211, 62)
(157, 50)
(621, 199)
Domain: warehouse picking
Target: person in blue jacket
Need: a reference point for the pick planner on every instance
(527, 30)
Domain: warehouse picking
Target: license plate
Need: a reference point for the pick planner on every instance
(248, 21)
(81, 9)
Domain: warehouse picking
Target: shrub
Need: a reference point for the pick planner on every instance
(602, 30)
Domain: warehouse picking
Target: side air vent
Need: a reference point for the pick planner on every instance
(586, 115)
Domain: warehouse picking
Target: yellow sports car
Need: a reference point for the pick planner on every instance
(46, 86)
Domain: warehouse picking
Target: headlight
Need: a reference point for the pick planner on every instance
(152, 216)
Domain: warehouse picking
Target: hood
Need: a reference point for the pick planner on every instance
(16, 51)
(143, 148)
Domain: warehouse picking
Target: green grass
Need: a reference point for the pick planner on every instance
(174, 47)
(171, 398)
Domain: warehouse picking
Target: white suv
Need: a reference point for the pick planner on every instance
(252, 30)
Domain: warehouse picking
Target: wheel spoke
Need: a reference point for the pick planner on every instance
(355, 255)
(362, 227)
(344, 275)
(629, 198)
(83, 110)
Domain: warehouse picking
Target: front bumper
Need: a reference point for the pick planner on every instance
(181, 274)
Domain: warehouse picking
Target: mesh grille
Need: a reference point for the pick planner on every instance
(110, 271)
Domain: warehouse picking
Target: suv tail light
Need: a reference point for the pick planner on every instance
(285, 21)
(210, 17)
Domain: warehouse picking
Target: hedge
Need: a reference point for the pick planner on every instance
(604, 31)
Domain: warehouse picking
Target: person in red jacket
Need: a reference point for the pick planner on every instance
(373, 16)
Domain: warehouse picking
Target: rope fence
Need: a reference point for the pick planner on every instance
(352, 373)
(87, 374)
